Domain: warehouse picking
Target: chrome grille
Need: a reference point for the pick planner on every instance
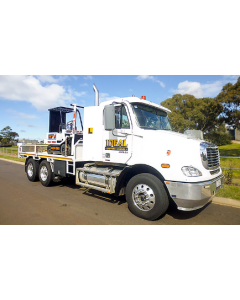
(210, 156)
(213, 157)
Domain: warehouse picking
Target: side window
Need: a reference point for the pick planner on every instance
(125, 122)
(121, 118)
(118, 112)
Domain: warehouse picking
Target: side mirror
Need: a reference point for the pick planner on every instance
(109, 117)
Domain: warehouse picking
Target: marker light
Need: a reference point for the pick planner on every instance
(143, 97)
(165, 166)
(168, 152)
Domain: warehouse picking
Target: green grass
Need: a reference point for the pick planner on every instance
(12, 158)
(236, 178)
(230, 150)
(236, 174)
(230, 162)
(9, 150)
(229, 191)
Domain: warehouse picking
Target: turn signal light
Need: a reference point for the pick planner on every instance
(165, 166)
(143, 97)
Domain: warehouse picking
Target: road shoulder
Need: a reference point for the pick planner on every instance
(226, 201)
(13, 161)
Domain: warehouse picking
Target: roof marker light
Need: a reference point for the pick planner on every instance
(144, 98)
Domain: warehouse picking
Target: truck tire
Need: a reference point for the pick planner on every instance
(32, 167)
(45, 173)
(146, 196)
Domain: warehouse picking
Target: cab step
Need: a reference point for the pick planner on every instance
(85, 170)
(94, 187)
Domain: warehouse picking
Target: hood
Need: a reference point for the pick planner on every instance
(171, 137)
(155, 145)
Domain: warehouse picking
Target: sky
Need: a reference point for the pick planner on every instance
(25, 99)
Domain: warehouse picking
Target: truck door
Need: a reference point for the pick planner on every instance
(118, 142)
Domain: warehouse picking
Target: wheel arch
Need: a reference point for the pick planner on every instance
(33, 157)
(130, 171)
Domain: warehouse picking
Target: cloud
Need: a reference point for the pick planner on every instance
(88, 77)
(232, 77)
(29, 88)
(79, 94)
(21, 115)
(105, 97)
(46, 78)
(192, 88)
(26, 124)
(22, 130)
(198, 90)
(75, 93)
(152, 78)
(50, 78)
(143, 77)
(84, 84)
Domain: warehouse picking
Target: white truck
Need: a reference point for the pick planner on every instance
(127, 147)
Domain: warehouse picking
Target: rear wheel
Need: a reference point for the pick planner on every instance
(32, 168)
(45, 173)
(146, 196)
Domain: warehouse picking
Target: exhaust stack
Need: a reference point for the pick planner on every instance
(96, 95)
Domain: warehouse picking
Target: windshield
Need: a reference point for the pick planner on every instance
(149, 117)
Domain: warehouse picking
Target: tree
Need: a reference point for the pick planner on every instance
(7, 136)
(179, 116)
(230, 98)
(189, 112)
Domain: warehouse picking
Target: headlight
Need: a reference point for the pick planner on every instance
(191, 171)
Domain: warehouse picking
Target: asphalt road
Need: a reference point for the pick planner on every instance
(25, 202)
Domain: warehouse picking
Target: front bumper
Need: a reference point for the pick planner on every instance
(192, 196)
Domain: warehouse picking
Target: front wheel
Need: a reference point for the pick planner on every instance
(45, 173)
(146, 196)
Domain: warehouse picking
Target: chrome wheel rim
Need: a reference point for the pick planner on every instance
(30, 170)
(143, 197)
(44, 173)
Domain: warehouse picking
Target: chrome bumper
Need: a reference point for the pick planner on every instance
(191, 196)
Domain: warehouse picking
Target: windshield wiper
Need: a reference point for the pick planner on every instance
(148, 128)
